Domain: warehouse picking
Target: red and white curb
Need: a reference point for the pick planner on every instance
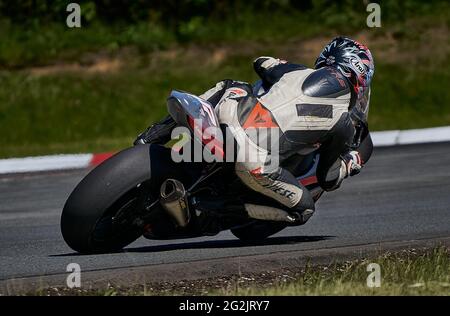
(82, 161)
(53, 162)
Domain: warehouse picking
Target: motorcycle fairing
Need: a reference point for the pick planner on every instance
(198, 115)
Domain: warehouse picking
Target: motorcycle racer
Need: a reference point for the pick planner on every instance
(320, 110)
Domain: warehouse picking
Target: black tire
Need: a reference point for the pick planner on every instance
(258, 230)
(100, 195)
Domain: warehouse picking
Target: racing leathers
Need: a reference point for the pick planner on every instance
(292, 112)
(309, 110)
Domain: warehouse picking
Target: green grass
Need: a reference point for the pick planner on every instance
(41, 44)
(31, 45)
(410, 97)
(71, 113)
(84, 112)
(401, 274)
(406, 272)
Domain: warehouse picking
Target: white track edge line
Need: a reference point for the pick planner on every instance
(80, 161)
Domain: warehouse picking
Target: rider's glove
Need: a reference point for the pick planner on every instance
(353, 162)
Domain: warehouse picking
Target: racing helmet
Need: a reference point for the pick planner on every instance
(354, 61)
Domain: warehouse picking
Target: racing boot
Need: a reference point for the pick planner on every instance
(278, 213)
(158, 133)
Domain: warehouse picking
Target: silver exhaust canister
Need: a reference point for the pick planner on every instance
(174, 201)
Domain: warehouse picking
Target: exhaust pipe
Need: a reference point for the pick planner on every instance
(174, 201)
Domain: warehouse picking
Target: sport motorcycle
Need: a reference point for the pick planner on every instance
(129, 194)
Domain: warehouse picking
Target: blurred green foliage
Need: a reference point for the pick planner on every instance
(33, 32)
(83, 113)
(76, 111)
(175, 12)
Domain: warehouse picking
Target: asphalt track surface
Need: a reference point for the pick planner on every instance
(402, 195)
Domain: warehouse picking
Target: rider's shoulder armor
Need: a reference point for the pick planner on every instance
(325, 82)
(272, 69)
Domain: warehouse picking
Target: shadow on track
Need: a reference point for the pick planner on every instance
(229, 243)
(235, 243)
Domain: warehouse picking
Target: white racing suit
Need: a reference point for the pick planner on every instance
(309, 110)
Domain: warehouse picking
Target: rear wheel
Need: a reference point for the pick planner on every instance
(98, 215)
(111, 234)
